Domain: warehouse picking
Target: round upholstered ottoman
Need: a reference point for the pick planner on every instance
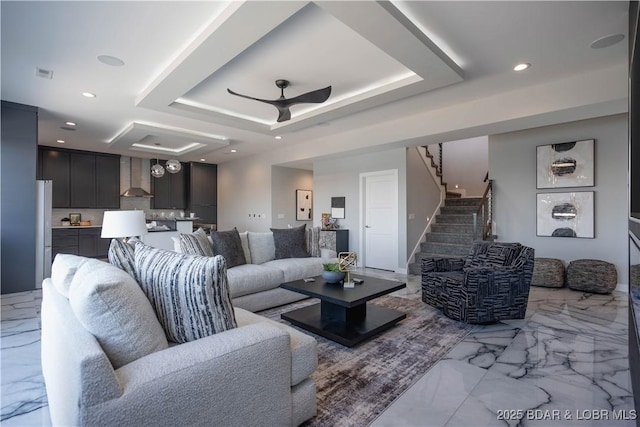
(592, 275)
(548, 272)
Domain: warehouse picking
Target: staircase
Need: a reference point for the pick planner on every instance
(452, 233)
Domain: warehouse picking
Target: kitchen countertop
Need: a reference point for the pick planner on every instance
(76, 226)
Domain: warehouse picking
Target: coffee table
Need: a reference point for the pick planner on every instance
(343, 315)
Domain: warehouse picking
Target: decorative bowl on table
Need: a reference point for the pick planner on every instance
(333, 276)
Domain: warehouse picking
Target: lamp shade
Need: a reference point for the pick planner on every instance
(118, 224)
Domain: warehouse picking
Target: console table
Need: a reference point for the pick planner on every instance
(336, 240)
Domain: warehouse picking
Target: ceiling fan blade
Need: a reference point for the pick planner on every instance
(267, 101)
(313, 97)
(285, 114)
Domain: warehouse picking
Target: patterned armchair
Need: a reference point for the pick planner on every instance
(490, 285)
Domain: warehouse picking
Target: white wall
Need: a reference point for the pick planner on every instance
(423, 197)
(465, 163)
(341, 177)
(244, 188)
(284, 183)
(512, 166)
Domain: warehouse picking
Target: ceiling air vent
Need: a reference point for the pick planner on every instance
(45, 74)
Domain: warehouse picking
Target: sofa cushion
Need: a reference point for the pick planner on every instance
(251, 278)
(313, 241)
(290, 242)
(109, 303)
(297, 268)
(304, 356)
(244, 241)
(228, 244)
(189, 293)
(196, 243)
(121, 255)
(63, 269)
(261, 247)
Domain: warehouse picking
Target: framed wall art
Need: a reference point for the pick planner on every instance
(565, 214)
(569, 164)
(304, 205)
(337, 207)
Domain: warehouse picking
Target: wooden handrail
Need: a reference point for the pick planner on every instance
(484, 196)
(486, 229)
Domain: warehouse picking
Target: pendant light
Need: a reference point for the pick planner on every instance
(157, 171)
(173, 166)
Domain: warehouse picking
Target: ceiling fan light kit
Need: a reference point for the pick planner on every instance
(282, 104)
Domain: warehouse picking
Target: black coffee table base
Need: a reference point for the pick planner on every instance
(345, 325)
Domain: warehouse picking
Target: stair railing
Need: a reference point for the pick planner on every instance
(485, 212)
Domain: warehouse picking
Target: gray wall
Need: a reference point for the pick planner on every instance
(19, 152)
(512, 165)
(341, 177)
(423, 196)
(284, 183)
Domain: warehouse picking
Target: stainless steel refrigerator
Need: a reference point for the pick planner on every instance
(43, 231)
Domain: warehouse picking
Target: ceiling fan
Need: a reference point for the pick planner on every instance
(283, 104)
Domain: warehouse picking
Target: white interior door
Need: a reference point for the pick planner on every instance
(380, 219)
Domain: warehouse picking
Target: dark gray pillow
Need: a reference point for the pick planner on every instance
(229, 245)
(290, 242)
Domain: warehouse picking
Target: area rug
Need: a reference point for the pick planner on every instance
(354, 385)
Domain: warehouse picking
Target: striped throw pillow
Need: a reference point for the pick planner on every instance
(189, 293)
(121, 255)
(196, 243)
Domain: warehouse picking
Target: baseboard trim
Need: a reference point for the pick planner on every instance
(622, 287)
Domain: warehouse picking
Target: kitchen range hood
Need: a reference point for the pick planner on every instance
(135, 177)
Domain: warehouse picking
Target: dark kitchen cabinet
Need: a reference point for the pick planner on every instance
(203, 192)
(64, 241)
(169, 191)
(81, 179)
(107, 182)
(82, 183)
(79, 241)
(54, 165)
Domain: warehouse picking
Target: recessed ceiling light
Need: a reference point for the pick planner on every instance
(88, 94)
(111, 60)
(70, 123)
(61, 141)
(234, 151)
(607, 41)
(521, 67)
(278, 137)
(202, 160)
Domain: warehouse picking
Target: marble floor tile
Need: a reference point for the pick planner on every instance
(434, 398)
(565, 364)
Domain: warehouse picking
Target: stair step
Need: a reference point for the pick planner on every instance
(452, 228)
(457, 210)
(454, 219)
(463, 201)
(449, 249)
(457, 238)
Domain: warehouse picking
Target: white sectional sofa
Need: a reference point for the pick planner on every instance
(256, 374)
(254, 286)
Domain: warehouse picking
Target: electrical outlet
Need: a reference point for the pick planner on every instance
(280, 216)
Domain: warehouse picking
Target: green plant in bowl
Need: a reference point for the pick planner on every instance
(332, 273)
(331, 266)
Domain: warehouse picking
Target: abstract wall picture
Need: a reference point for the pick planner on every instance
(304, 205)
(565, 214)
(337, 207)
(569, 164)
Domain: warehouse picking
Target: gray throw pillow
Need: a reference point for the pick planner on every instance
(189, 293)
(121, 255)
(229, 245)
(196, 243)
(290, 242)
